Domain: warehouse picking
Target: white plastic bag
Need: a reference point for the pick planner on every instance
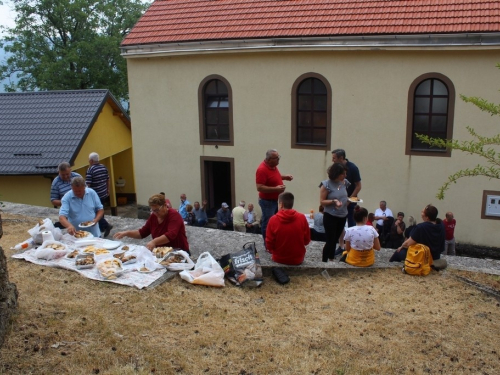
(48, 253)
(45, 225)
(206, 272)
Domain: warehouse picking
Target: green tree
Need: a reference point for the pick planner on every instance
(69, 45)
(485, 147)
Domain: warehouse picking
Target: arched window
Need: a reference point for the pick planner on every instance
(311, 112)
(215, 109)
(431, 104)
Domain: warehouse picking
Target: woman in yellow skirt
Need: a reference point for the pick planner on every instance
(361, 241)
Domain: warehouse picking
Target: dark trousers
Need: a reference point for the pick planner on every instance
(317, 236)
(103, 224)
(269, 208)
(350, 214)
(333, 229)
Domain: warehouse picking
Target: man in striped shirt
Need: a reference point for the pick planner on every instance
(98, 180)
(61, 185)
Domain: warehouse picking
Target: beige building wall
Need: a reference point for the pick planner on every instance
(369, 110)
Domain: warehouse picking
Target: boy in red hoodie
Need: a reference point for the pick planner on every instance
(287, 233)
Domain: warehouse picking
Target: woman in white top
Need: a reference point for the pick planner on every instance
(360, 241)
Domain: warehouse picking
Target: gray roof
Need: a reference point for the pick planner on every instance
(39, 130)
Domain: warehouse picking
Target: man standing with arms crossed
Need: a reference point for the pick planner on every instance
(269, 182)
(353, 176)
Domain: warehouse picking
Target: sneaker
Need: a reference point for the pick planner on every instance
(343, 258)
(280, 276)
(106, 232)
(339, 251)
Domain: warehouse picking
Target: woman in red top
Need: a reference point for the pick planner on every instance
(165, 225)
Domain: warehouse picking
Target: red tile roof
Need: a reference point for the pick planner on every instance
(168, 21)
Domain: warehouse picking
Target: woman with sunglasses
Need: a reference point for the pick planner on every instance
(165, 225)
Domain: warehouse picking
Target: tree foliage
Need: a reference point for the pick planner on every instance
(69, 45)
(485, 147)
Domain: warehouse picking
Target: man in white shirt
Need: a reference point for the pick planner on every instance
(384, 218)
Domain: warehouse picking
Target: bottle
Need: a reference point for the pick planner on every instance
(25, 245)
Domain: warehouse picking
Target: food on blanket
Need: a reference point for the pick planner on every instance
(41, 229)
(40, 222)
(118, 256)
(95, 250)
(128, 259)
(56, 246)
(174, 258)
(73, 254)
(125, 248)
(81, 234)
(160, 252)
(85, 260)
(144, 269)
(109, 268)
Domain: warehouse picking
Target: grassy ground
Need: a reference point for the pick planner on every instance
(382, 322)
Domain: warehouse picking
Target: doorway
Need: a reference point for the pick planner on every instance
(217, 176)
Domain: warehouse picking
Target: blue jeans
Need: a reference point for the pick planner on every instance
(268, 208)
(200, 223)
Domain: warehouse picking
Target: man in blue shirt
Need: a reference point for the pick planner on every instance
(62, 183)
(81, 204)
(182, 206)
(200, 213)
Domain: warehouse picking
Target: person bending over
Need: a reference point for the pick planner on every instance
(165, 226)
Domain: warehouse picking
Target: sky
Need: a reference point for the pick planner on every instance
(7, 16)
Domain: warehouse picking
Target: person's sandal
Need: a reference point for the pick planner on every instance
(280, 276)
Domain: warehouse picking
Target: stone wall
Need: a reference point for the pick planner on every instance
(8, 297)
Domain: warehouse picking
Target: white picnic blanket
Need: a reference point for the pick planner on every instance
(130, 277)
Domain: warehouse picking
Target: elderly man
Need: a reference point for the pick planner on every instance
(98, 179)
(182, 207)
(224, 219)
(269, 182)
(200, 213)
(238, 217)
(81, 204)
(62, 183)
(384, 218)
(252, 220)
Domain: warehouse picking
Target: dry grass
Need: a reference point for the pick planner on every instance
(381, 322)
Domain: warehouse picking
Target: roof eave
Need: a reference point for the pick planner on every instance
(361, 42)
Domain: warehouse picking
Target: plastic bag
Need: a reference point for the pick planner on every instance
(51, 250)
(185, 264)
(243, 267)
(44, 225)
(206, 272)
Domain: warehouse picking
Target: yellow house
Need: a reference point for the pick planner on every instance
(213, 85)
(39, 130)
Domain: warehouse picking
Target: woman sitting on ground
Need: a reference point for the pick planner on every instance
(165, 225)
(360, 241)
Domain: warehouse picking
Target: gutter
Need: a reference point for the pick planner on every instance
(378, 42)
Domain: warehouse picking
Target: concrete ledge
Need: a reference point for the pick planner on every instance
(219, 243)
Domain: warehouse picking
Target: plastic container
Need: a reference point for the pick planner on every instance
(82, 263)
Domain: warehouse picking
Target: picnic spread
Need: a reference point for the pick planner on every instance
(100, 259)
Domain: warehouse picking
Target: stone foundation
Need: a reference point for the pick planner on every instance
(8, 297)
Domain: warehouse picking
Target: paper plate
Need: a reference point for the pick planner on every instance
(110, 245)
(358, 201)
(86, 226)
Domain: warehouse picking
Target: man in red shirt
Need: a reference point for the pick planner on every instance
(287, 233)
(449, 228)
(269, 183)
